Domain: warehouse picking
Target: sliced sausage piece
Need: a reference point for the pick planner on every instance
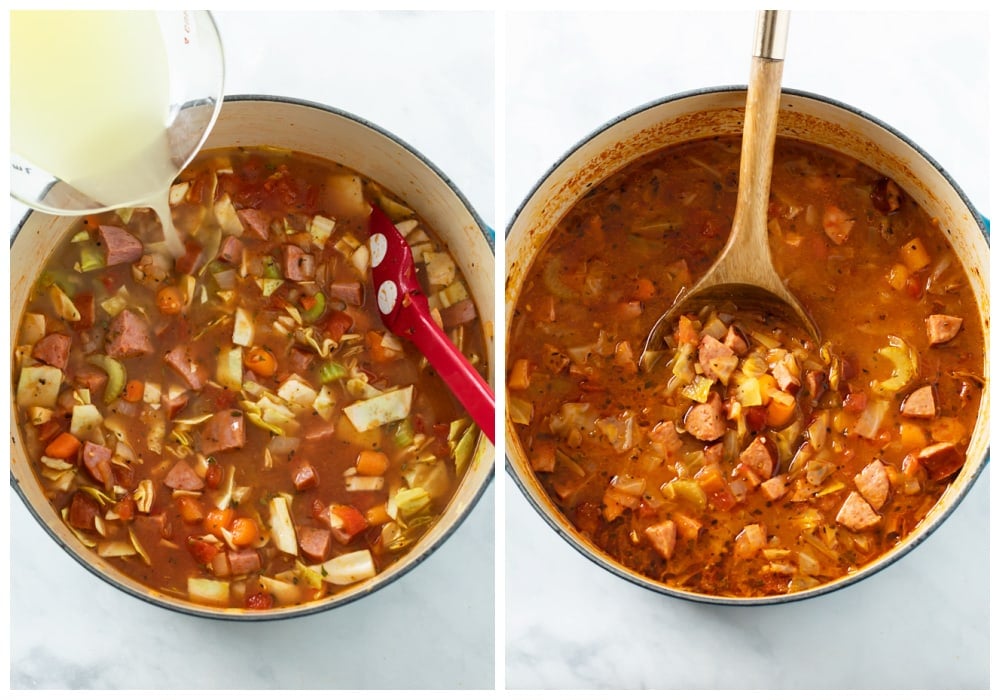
(128, 336)
(304, 476)
(836, 224)
(856, 514)
(886, 195)
(53, 350)
(705, 420)
(243, 561)
(321, 431)
(920, 403)
(223, 431)
(774, 488)
(314, 542)
(255, 222)
(297, 265)
(750, 540)
(97, 461)
(348, 292)
(119, 245)
(663, 537)
(181, 360)
(183, 476)
(787, 379)
(91, 378)
(873, 484)
(231, 249)
(83, 511)
(300, 360)
(665, 433)
(761, 455)
(458, 313)
(734, 341)
(175, 404)
(717, 360)
(941, 460)
(941, 328)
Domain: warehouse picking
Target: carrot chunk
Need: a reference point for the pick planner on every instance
(65, 446)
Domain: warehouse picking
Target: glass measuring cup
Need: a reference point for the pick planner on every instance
(108, 107)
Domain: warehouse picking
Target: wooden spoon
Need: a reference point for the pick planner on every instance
(744, 273)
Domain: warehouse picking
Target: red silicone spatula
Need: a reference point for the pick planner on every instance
(404, 310)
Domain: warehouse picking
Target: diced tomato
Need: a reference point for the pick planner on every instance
(213, 476)
(337, 323)
(259, 601)
(48, 430)
(722, 499)
(913, 287)
(756, 417)
(202, 551)
(84, 303)
(125, 508)
(855, 402)
(352, 518)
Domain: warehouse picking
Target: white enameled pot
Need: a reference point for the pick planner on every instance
(337, 136)
(713, 112)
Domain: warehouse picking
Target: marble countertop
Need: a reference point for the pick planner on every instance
(921, 623)
(428, 79)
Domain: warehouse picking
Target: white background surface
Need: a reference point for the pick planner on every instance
(923, 622)
(428, 79)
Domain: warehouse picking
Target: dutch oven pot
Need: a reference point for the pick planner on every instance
(715, 112)
(336, 136)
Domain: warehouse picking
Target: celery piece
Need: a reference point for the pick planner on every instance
(116, 375)
(313, 313)
(331, 371)
(271, 269)
(403, 434)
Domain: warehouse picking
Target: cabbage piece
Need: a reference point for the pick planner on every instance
(380, 410)
(39, 386)
(63, 305)
(32, 328)
(410, 502)
(298, 393)
(699, 389)
(229, 368)
(86, 423)
(347, 568)
(440, 268)
(225, 216)
(282, 530)
(208, 591)
(324, 403)
(284, 592)
(115, 548)
(320, 229)
(519, 410)
(242, 327)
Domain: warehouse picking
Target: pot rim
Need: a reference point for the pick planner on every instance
(359, 591)
(883, 561)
